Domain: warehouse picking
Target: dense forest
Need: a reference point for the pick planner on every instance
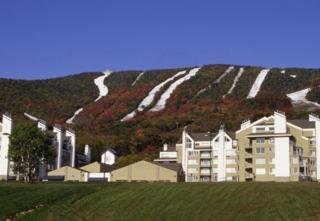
(55, 100)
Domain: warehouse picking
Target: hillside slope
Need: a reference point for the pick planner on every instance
(215, 94)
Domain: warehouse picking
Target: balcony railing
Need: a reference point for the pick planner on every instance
(248, 155)
(248, 175)
(205, 155)
(205, 172)
(248, 165)
(205, 164)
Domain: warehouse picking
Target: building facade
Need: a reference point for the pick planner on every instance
(269, 149)
(5, 131)
(276, 149)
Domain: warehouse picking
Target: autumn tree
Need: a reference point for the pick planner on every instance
(29, 148)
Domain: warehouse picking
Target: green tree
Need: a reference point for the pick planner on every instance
(29, 148)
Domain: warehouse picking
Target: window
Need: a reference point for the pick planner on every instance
(260, 161)
(271, 140)
(231, 170)
(271, 128)
(231, 161)
(260, 140)
(260, 129)
(270, 149)
(260, 171)
(192, 162)
(260, 150)
(192, 170)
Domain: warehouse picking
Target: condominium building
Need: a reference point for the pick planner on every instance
(64, 142)
(205, 157)
(5, 131)
(276, 149)
(269, 149)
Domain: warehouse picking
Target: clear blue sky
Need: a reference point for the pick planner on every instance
(42, 38)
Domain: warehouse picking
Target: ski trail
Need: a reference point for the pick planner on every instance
(300, 97)
(31, 117)
(216, 81)
(236, 79)
(103, 91)
(137, 79)
(70, 120)
(258, 82)
(161, 104)
(149, 98)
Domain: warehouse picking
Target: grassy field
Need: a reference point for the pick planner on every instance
(160, 201)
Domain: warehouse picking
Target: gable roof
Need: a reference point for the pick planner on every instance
(304, 124)
(202, 136)
(111, 150)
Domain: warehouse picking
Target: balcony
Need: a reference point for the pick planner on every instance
(205, 155)
(205, 172)
(248, 147)
(248, 155)
(205, 163)
(248, 165)
(248, 175)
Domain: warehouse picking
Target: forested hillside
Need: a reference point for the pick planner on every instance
(125, 120)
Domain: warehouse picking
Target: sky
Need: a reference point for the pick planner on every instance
(44, 39)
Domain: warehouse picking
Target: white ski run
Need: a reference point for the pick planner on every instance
(236, 79)
(258, 82)
(161, 104)
(103, 91)
(300, 97)
(149, 98)
(217, 80)
(137, 79)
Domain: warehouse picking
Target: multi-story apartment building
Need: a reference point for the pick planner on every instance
(64, 142)
(5, 131)
(205, 157)
(269, 149)
(276, 149)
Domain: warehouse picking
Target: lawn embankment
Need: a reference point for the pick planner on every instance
(161, 201)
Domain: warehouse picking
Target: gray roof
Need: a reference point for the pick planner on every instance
(171, 166)
(202, 136)
(302, 123)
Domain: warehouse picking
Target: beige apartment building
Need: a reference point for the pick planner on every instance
(269, 149)
(276, 149)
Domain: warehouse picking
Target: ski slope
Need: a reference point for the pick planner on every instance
(300, 97)
(216, 81)
(161, 104)
(103, 91)
(236, 79)
(258, 82)
(137, 79)
(70, 120)
(150, 97)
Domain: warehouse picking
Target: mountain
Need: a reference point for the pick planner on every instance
(137, 111)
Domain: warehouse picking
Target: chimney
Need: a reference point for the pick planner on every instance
(245, 124)
(87, 152)
(42, 125)
(165, 147)
(280, 122)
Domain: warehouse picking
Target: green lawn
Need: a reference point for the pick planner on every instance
(161, 201)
